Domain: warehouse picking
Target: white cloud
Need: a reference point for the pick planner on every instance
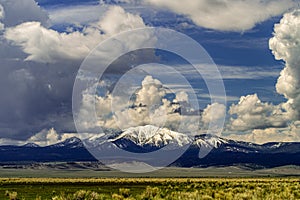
(182, 96)
(49, 137)
(246, 72)
(1, 26)
(261, 136)
(48, 46)
(219, 97)
(149, 107)
(285, 46)
(45, 137)
(6, 141)
(2, 14)
(232, 72)
(229, 15)
(73, 14)
(251, 113)
(151, 92)
(19, 11)
(213, 116)
(213, 112)
(117, 20)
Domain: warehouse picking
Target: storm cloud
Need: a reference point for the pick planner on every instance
(39, 66)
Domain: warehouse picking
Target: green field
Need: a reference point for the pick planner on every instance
(149, 188)
(61, 181)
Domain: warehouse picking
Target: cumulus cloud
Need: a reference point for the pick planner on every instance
(149, 105)
(149, 100)
(213, 112)
(42, 92)
(229, 15)
(213, 116)
(182, 96)
(45, 137)
(151, 92)
(117, 20)
(19, 11)
(49, 137)
(37, 96)
(48, 46)
(261, 136)
(41, 98)
(285, 45)
(250, 113)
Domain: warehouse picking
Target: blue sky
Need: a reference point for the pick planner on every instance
(42, 50)
(248, 49)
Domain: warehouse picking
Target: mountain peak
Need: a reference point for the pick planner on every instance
(153, 136)
(207, 140)
(143, 139)
(72, 142)
(31, 144)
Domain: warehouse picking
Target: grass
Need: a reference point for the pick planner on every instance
(220, 172)
(149, 188)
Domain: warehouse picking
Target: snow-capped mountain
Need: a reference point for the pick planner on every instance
(208, 141)
(144, 139)
(72, 142)
(71, 149)
(139, 139)
(153, 136)
(31, 145)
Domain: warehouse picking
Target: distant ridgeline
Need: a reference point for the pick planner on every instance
(224, 152)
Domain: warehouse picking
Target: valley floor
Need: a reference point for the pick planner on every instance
(149, 188)
(90, 170)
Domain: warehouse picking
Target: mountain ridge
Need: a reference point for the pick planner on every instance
(222, 151)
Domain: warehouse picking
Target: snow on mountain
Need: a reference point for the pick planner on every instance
(72, 142)
(98, 140)
(143, 139)
(208, 141)
(153, 136)
(274, 145)
(31, 145)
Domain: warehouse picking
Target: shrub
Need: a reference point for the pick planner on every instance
(13, 196)
(125, 192)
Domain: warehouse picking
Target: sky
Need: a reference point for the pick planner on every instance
(253, 43)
